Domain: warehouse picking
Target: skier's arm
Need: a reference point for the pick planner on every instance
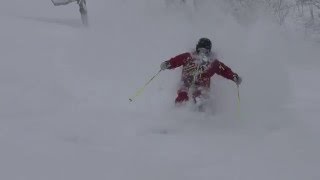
(221, 69)
(224, 71)
(176, 61)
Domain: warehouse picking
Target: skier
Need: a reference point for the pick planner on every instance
(197, 69)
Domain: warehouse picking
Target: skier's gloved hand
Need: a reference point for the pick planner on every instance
(165, 65)
(237, 79)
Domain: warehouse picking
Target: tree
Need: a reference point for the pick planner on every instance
(82, 8)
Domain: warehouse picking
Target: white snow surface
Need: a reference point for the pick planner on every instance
(65, 114)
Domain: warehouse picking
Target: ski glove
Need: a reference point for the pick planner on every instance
(165, 65)
(237, 79)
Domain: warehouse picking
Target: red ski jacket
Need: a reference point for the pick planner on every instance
(203, 70)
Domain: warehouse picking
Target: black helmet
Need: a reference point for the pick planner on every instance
(204, 43)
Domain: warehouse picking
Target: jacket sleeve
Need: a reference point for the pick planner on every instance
(221, 69)
(179, 60)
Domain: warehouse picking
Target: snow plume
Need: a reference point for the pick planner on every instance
(254, 51)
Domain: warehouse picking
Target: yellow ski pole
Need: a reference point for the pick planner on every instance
(139, 91)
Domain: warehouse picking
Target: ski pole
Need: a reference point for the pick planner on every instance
(238, 99)
(139, 91)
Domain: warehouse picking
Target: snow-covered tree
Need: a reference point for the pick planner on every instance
(82, 8)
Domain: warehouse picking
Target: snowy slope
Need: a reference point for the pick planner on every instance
(65, 114)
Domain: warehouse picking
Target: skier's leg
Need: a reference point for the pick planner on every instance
(182, 97)
(200, 98)
(182, 93)
(201, 90)
(200, 95)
